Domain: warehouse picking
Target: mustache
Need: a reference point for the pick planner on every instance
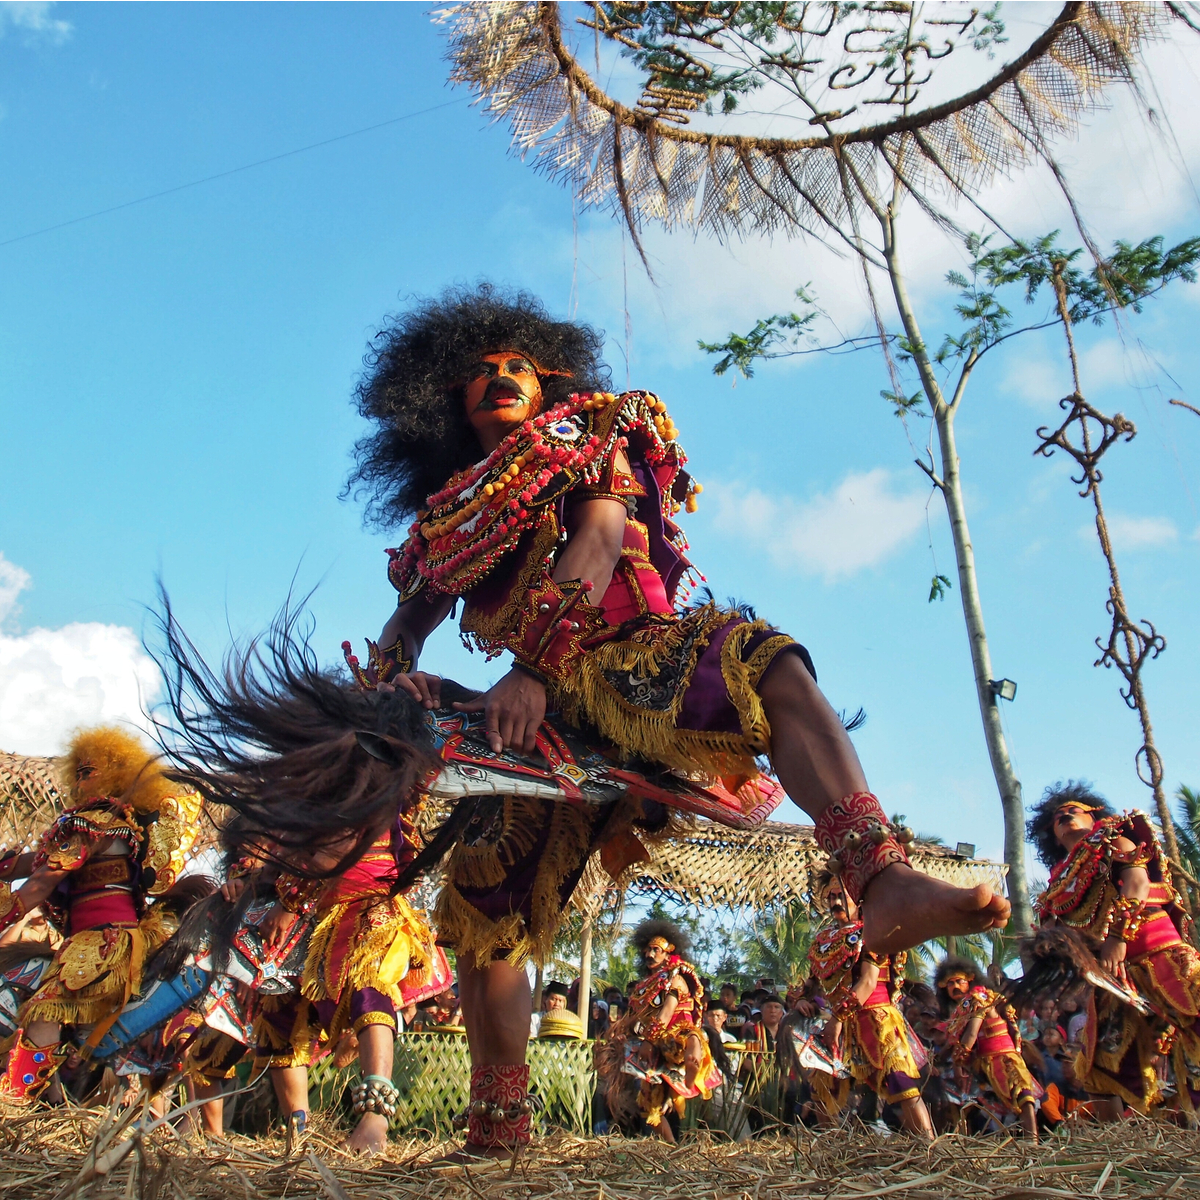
(499, 390)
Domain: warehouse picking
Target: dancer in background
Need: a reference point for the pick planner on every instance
(982, 1026)
(121, 844)
(867, 1030)
(1110, 879)
(661, 1030)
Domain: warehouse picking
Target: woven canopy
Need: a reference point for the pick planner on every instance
(716, 866)
(30, 798)
(852, 77)
(707, 864)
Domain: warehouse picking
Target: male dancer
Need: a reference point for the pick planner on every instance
(663, 1016)
(548, 506)
(1109, 878)
(867, 1030)
(983, 1028)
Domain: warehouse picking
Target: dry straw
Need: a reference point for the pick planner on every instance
(53, 1155)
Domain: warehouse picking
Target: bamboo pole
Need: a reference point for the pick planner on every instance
(584, 1007)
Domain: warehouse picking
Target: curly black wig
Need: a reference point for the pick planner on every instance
(1039, 829)
(411, 390)
(952, 964)
(653, 928)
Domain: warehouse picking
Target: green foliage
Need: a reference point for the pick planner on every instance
(904, 404)
(1125, 279)
(981, 948)
(777, 946)
(1187, 829)
(938, 587)
(771, 337)
(729, 49)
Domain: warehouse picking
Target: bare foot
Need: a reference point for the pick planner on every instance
(904, 907)
(470, 1157)
(369, 1136)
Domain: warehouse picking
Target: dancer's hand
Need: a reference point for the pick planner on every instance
(513, 710)
(275, 926)
(232, 889)
(421, 686)
(1112, 957)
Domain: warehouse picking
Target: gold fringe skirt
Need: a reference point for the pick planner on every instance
(642, 690)
(95, 972)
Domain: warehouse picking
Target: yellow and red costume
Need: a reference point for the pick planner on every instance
(996, 1052)
(659, 680)
(666, 1089)
(368, 950)
(875, 1042)
(1120, 1045)
(121, 844)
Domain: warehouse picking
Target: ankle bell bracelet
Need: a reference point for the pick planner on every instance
(375, 1094)
(487, 1110)
(877, 832)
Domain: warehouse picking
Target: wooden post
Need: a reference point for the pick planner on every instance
(585, 974)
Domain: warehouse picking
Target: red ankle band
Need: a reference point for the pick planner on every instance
(860, 841)
(500, 1112)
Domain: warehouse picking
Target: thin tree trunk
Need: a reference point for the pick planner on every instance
(949, 483)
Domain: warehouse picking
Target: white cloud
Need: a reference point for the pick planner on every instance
(53, 681)
(33, 18)
(13, 581)
(857, 525)
(1140, 533)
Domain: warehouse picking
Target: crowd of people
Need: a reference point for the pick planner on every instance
(547, 505)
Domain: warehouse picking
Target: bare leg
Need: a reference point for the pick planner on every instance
(816, 762)
(375, 1050)
(496, 1011)
(1108, 1108)
(1029, 1120)
(212, 1114)
(914, 1116)
(291, 1090)
(496, 1007)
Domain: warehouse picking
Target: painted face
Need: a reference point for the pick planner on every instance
(654, 955)
(957, 986)
(502, 390)
(1071, 822)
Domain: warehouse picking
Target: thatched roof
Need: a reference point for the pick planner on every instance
(29, 797)
(708, 864)
(713, 865)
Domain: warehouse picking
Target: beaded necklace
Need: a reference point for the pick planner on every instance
(482, 512)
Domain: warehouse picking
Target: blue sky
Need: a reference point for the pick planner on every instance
(175, 380)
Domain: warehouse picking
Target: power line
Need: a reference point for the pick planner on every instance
(341, 137)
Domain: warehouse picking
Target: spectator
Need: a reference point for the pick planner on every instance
(728, 996)
(615, 999)
(599, 1020)
(554, 999)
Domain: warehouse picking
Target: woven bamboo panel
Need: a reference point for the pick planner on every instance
(433, 1074)
(30, 798)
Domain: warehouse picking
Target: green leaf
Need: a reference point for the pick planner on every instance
(938, 587)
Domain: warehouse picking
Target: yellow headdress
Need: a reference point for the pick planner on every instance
(111, 763)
